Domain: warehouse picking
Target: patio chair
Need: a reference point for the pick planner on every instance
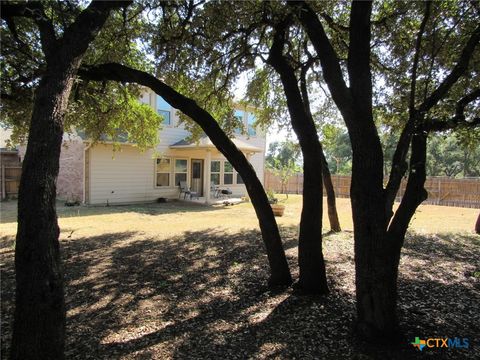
(225, 193)
(215, 189)
(184, 189)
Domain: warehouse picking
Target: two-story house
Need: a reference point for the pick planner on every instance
(96, 174)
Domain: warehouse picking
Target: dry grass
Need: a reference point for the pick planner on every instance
(183, 281)
(182, 216)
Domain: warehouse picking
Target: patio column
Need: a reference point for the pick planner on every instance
(247, 155)
(206, 179)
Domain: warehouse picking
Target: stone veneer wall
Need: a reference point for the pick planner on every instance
(70, 175)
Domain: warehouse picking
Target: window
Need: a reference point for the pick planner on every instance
(215, 172)
(164, 109)
(239, 116)
(250, 127)
(181, 168)
(239, 180)
(163, 172)
(227, 173)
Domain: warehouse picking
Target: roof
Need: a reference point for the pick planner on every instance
(205, 143)
(122, 137)
(8, 151)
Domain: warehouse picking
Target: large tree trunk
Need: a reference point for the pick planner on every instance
(375, 279)
(377, 257)
(331, 201)
(39, 326)
(313, 279)
(280, 272)
(39, 320)
(376, 267)
(378, 247)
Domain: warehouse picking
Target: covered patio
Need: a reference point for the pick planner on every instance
(209, 171)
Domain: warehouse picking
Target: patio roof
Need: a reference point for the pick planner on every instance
(205, 143)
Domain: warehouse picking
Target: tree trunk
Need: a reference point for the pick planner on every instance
(376, 267)
(378, 248)
(39, 319)
(331, 201)
(313, 279)
(376, 275)
(477, 225)
(39, 326)
(376, 255)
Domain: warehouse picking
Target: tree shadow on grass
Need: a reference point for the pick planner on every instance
(204, 295)
(9, 209)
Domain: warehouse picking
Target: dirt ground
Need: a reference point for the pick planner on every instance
(186, 281)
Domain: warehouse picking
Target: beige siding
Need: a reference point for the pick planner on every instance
(258, 159)
(128, 175)
(123, 176)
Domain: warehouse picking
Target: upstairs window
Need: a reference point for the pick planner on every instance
(239, 116)
(164, 109)
(250, 125)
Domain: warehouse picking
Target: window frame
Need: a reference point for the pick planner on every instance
(240, 115)
(228, 173)
(175, 171)
(237, 175)
(163, 172)
(219, 172)
(162, 110)
(251, 115)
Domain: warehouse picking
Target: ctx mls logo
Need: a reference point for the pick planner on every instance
(419, 344)
(441, 343)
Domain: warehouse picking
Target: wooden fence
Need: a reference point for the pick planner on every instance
(10, 180)
(10, 172)
(441, 190)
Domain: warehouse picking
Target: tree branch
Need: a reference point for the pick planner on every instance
(418, 43)
(87, 24)
(35, 11)
(458, 120)
(399, 165)
(332, 71)
(415, 192)
(358, 63)
(332, 23)
(458, 71)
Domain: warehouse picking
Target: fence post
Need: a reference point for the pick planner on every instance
(4, 191)
(439, 191)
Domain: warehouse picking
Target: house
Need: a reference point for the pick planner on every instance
(98, 174)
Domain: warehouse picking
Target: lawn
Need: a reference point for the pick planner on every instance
(186, 281)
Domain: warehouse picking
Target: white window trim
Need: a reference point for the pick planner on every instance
(171, 111)
(171, 119)
(224, 173)
(214, 172)
(155, 172)
(246, 125)
(235, 176)
(174, 172)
